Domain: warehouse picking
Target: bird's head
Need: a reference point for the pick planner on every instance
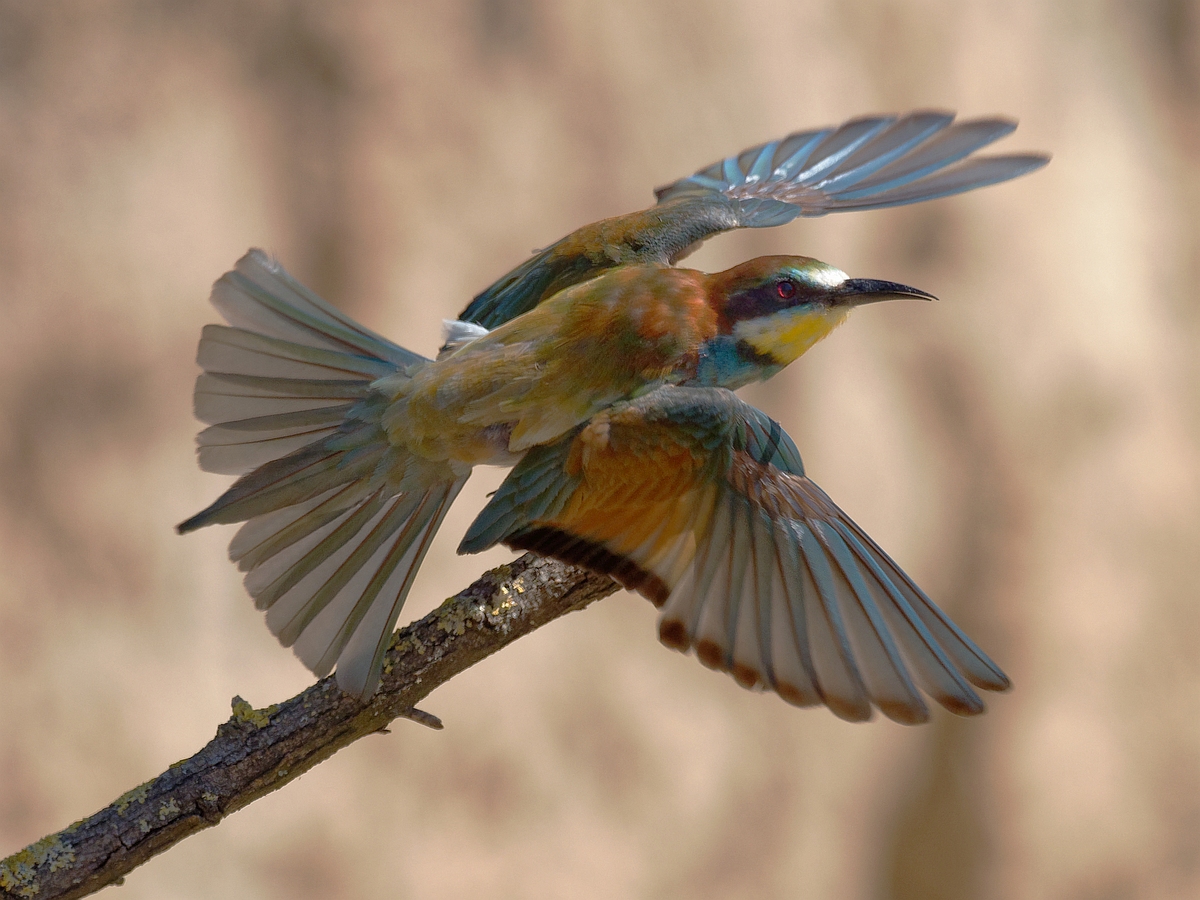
(775, 307)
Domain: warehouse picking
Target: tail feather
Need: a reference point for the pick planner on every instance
(297, 477)
(233, 448)
(283, 420)
(264, 536)
(334, 597)
(226, 398)
(236, 351)
(288, 373)
(225, 454)
(331, 543)
(261, 297)
(334, 592)
(363, 638)
(276, 578)
(357, 580)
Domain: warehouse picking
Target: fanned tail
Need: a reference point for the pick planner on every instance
(331, 542)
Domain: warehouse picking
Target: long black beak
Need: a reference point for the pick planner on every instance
(857, 291)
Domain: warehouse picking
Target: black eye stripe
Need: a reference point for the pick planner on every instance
(766, 299)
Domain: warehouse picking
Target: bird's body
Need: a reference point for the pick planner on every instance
(539, 375)
(605, 379)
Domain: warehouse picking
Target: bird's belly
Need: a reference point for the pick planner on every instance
(443, 438)
(490, 447)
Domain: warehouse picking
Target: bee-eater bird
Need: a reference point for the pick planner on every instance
(603, 374)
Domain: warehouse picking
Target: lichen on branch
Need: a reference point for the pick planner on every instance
(259, 750)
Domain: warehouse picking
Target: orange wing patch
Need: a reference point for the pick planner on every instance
(639, 506)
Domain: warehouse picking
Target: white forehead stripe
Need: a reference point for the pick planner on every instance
(827, 276)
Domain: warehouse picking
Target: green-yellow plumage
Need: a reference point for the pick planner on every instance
(603, 378)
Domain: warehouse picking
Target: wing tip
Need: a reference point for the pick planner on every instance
(849, 709)
(196, 522)
(748, 676)
(1023, 163)
(905, 712)
(796, 696)
(994, 680)
(963, 705)
(711, 655)
(673, 633)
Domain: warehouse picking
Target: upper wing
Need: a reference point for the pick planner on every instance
(865, 163)
(699, 502)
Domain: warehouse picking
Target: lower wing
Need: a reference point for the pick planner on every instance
(699, 502)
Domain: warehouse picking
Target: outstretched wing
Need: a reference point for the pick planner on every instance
(865, 163)
(699, 502)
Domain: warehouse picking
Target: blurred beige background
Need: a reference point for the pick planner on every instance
(1027, 447)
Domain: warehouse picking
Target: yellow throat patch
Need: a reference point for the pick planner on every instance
(786, 335)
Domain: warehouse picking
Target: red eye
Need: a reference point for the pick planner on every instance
(786, 290)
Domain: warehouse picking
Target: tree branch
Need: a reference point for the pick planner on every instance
(260, 750)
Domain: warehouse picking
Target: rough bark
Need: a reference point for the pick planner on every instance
(259, 750)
